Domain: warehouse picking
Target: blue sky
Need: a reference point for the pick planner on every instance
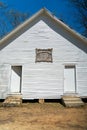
(61, 8)
(32, 6)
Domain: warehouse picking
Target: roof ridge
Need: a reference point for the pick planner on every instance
(40, 12)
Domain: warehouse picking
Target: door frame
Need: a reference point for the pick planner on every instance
(70, 66)
(20, 79)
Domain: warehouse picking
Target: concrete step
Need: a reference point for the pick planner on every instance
(74, 104)
(12, 101)
(71, 95)
(72, 101)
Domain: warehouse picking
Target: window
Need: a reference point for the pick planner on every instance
(44, 55)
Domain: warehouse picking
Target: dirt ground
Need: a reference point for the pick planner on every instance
(47, 116)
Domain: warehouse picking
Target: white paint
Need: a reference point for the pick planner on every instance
(16, 79)
(44, 80)
(69, 79)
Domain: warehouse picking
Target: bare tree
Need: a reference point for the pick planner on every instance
(2, 4)
(16, 17)
(9, 19)
(3, 25)
(81, 5)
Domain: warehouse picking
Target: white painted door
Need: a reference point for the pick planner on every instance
(16, 79)
(69, 80)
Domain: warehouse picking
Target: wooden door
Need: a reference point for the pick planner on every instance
(69, 79)
(16, 72)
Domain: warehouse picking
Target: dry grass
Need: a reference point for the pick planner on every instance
(47, 116)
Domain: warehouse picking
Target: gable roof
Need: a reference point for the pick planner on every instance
(13, 34)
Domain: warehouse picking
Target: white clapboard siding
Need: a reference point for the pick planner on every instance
(82, 78)
(4, 80)
(44, 80)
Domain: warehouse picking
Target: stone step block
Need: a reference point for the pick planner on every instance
(72, 101)
(12, 101)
